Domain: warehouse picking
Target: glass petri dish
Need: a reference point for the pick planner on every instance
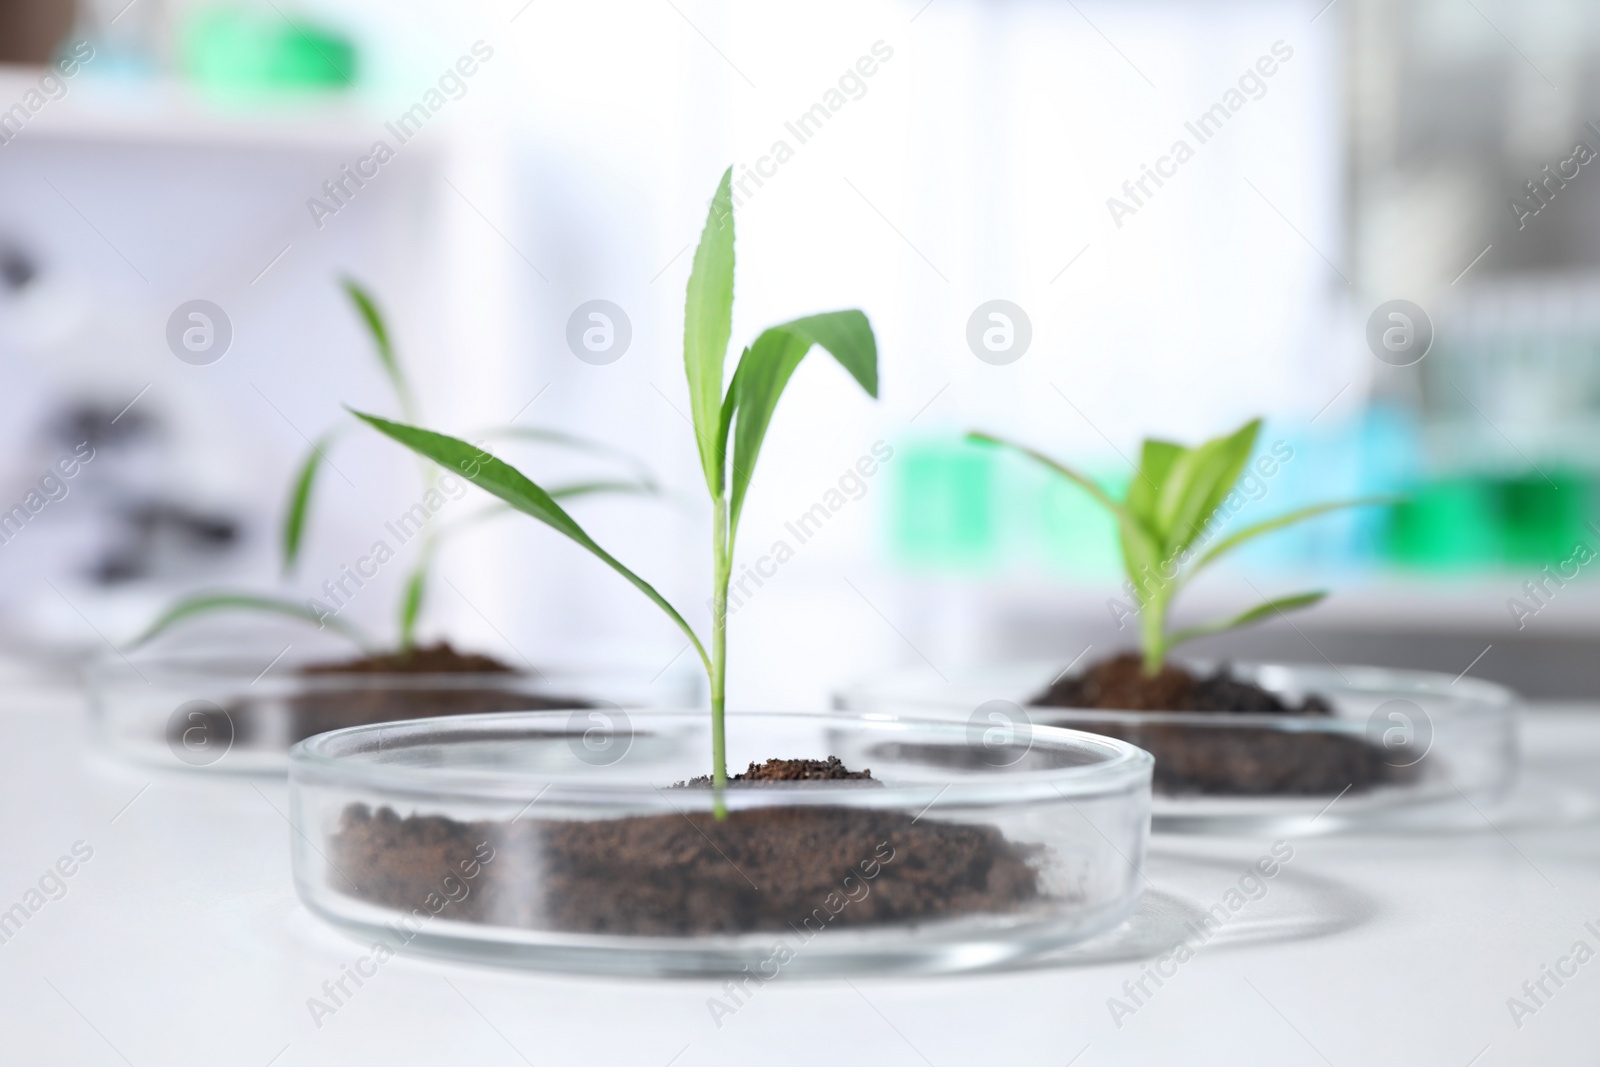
(567, 841)
(1401, 749)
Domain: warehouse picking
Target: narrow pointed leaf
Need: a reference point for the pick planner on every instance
(1155, 467)
(1199, 481)
(1157, 459)
(764, 372)
(758, 382)
(1140, 548)
(294, 520)
(730, 404)
(1142, 558)
(1082, 481)
(707, 324)
(1233, 455)
(848, 337)
(367, 308)
(1245, 618)
(213, 603)
(411, 600)
(1234, 540)
(515, 488)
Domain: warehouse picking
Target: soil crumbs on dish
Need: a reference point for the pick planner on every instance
(789, 770)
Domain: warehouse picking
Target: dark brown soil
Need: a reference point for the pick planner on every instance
(1120, 684)
(1238, 761)
(791, 770)
(315, 713)
(256, 721)
(438, 658)
(765, 869)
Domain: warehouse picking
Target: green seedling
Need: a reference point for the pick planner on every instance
(730, 421)
(414, 591)
(1169, 528)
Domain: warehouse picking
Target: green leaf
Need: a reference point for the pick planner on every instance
(765, 369)
(367, 307)
(211, 603)
(1138, 543)
(1255, 614)
(515, 488)
(411, 602)
(730, 404)
(1155, 466)
(1199, 480)
(848, 337)
(707, 324)
(1082, 481)
(1234, 540)
(294, 520)
(1143, 559)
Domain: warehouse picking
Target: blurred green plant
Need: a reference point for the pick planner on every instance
(414, 592)
(729, 427)
(1167, 525)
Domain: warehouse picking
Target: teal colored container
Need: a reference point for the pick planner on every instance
(1451, 524)
(944, 515)
(1482, 522)
(1541, 520)
(964, 508)
(240, 51)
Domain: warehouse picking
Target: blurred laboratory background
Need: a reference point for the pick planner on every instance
(491, 168)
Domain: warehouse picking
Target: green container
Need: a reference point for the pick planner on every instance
(1541, 520)
(960, 508)
(1451, 524)
(943, 517)
(243, 52)
(1480, 522)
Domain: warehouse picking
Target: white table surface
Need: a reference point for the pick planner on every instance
(181, 942)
